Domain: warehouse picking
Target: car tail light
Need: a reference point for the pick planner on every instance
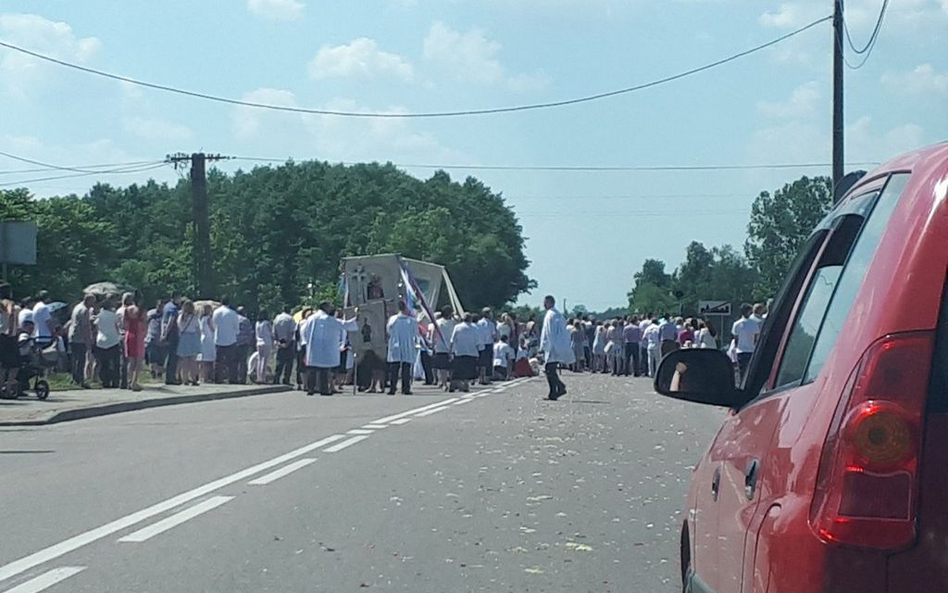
(867, 485)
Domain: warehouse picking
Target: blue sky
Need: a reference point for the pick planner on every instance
(587, 232)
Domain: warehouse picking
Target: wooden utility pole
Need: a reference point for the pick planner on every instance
(838, 135)
(201, 218)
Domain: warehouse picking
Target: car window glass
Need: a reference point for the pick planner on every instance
(817, 300)
(854, 272)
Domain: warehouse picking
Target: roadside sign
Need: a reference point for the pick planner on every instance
(18, 242)
(714, 307)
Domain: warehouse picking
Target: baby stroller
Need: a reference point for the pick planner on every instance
(31, 369)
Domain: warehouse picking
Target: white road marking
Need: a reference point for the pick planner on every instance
(462, 402)
(359, 431)
(401, 421)
(388, 419)
(374, 426)
(47, 579)
(176, 519)
(77, 541)
(346, 443)
(283, 471)
(432, 411)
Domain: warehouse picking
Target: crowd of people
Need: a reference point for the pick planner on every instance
(183, 342)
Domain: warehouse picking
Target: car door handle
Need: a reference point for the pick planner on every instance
(716, 484)
(750, 478)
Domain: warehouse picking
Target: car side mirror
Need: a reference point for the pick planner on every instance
(700, 375)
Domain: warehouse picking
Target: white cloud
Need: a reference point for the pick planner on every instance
(924, 79)
(360, 57)
(247, 120)
(331, 137)
(802, 103)
(277, 10)
(19, 72)
(794, 14)
(472, 56)
(156, 129)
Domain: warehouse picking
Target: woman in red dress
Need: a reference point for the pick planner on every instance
(135, 329)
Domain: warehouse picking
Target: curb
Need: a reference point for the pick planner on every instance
(130, 406)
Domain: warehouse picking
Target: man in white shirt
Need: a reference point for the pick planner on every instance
(322, 332)
(746, 332)
(556, 346)
(226, 326)
(43, 321)
(441, 343)
(284, 335)
(488, 329)
(504, 356)
(402, 348)
(668, 333)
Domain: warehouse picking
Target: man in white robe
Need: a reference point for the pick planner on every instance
(322, 332)
(556, 346)
(402, 348)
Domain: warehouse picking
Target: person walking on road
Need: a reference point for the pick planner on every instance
(403, 348)
(441, 344)
(208, 355)
(127, 301)
(43, 322)
(465, 344)
(135, 323)
(555, 345)
(226, 327)
(264, 335)
(107, 344)
(170, 336)
(653, 346)
(322, 346)
(284, 334)
(189, 342)
(633, 335)
(246, 340)
(80, 339)
(154, 350)
(488, 329)
(746, 332)
(668, 334)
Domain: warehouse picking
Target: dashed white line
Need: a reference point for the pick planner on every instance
(432, 411)
(346, 443)
(77, 541)
(374, 426)
(401, 421)
(388, 419)
(359, 431)
(283, 471)
(461, 402)
(47, 579)
(176, 519)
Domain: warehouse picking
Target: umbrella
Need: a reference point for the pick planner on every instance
(53, 307)
(198, 305)
(103, 289)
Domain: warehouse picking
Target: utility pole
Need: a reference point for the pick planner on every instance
(201, 217)
(837, 98)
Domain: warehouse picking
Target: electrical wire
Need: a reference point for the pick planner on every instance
(459, 113)
(47, 166)
(584, 168)
(866, 51)
(120, 171)
(84, 167)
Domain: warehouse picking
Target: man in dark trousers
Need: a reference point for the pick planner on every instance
(169, 338)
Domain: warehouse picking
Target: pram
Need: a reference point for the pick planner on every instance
(31, 369)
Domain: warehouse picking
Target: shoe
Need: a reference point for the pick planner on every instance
(310, 393)
(406, 393)
(391, 392)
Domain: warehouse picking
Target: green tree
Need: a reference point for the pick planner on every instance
(779, 225)
(652, 291)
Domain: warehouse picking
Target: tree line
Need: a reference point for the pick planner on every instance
(779, 224)
(275, 232)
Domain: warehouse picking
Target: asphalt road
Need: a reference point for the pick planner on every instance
(503, 491)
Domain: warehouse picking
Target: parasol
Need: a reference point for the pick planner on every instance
(103, 289)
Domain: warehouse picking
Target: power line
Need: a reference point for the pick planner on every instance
(47, 166)
(585, 168)
(459, 113)
(120, 171)
(870, 45)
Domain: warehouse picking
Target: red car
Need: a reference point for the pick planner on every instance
(830, 472)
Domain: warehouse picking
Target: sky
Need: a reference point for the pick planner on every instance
(587, 232)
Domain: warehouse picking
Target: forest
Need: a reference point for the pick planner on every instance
(277, 234)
